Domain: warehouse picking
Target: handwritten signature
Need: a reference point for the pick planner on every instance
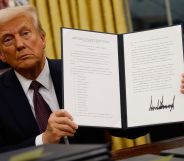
(160, 105)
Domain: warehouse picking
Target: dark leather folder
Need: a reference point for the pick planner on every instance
(152, 157)
(62, 152)
(177, 152)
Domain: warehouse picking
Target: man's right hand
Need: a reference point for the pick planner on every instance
(60, 124)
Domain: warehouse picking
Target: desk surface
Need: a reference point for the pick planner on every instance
(152, 148)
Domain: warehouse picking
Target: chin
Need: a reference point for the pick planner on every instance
(28, 64)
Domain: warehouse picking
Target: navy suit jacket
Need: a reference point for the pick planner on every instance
(18, 127)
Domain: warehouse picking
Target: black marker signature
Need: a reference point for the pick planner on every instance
(160, 105)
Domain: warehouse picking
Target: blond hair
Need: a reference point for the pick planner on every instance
(29, 11)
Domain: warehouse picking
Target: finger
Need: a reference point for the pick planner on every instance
(66, 121)
(59, 131)
(54, 129)
(63, 113)
(61, 135)
(54, 136)
(65, 128)
(61, 120)
(68, 134)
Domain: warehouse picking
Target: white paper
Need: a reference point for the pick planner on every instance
(91, 78)
(153, 68)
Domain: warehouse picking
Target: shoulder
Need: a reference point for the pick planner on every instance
(5, 76)
(4, 79)
(55, 64)
(55, 61)
(3, 65)
(8, 79)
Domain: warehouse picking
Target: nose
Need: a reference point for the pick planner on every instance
(19, 43)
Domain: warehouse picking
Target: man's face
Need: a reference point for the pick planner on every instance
(21, 44)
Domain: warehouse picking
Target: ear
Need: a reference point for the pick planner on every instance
(42, 36)
(2, 57)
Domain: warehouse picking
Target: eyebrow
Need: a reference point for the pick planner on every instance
(24, 27)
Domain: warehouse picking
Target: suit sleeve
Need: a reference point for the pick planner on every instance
(6, 144)
(18, 127)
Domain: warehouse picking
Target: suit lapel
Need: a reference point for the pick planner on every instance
(19, 104)
(55, 71)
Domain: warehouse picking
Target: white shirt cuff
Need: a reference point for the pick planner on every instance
(38, 140)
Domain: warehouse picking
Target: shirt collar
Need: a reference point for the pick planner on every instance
(43, 78)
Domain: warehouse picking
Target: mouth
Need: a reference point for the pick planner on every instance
(24, 56)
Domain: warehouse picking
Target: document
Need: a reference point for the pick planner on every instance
(123, 81)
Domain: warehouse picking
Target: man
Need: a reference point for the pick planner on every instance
(22, 43)
(22, 47)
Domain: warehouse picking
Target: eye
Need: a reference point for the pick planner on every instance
(7, 40)
(26, 34)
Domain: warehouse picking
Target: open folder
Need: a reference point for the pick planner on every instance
(123, 80)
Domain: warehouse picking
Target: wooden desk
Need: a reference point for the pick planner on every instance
(153, 148)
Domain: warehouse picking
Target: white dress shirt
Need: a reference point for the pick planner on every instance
(47, 91)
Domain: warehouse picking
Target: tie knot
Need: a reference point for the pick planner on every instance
(35, 85)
